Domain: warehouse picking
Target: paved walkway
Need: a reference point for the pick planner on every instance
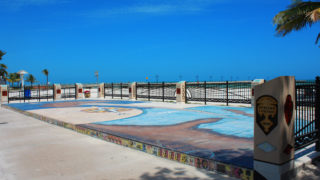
(32, 149)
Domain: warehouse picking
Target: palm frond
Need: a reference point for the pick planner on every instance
(318, 37)
(3, 66)
(1, 54)
(295, 18)
(314, 15)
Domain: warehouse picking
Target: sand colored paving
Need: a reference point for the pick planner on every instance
(82, 115)
(35, 150)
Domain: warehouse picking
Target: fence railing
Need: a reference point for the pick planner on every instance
(163, 91)
(68, 91)
(307, 113)
(119, 90)
(225, 92)
(27, 93)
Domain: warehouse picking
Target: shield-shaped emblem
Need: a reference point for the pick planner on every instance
(288, 109)
(267, 113)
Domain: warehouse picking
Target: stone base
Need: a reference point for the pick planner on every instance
(269, 171)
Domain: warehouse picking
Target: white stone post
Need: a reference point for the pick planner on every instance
(79, 91)
(133, 91)
(4, 93)
(253, 84)
(181, 92)
(56, 91)
(274, 113)
(101, 90)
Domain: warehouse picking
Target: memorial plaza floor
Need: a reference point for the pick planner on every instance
(214, 138)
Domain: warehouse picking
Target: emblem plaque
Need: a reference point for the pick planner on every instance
(288, 109)
(267, 113)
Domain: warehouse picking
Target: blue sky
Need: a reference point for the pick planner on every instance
(128, 40)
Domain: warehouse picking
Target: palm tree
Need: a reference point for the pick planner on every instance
(13, 77)
(31, 79)
(1, 54)
(46, 73)
(299, 15)
(3, 71)
(3, 68)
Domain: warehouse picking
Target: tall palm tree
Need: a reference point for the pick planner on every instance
(31, 79)
(1, 54)
(3, 68)
(298, 15)
(46, 73)
(13, 77)
(3, 71)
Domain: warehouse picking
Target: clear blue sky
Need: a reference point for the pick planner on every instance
(127, 40)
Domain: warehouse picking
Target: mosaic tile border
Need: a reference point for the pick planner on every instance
(210, 165)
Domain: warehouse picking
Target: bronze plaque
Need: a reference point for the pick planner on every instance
(267, 113)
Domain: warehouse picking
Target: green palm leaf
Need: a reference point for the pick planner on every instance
(297, 16)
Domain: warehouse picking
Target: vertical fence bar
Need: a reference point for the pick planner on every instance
(39, 96)
(75, 91)
(227, 93)
(205, 92)
(121, 90)
(148, 91)
(112, 90)
(317, 111)
(136, 91)
(104, 90)
(24, 94)
(162, 91)
(9, 94)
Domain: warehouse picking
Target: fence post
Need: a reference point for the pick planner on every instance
(112, 90)
(162, 91)
(274, 119)
(181, 92)
(136, 91)
(121, 90)
(227, 93)
(317, 112)
(39, 92)
(24, 94)
(148, 91)
(4, 93)
(104, 91)
(205, 92)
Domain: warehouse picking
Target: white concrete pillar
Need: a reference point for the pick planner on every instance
(101, 90)
(273, 129)
(57, 91)
(181, 92)
(79, 91)
(4, 93)
(253, 84)
(133, 90)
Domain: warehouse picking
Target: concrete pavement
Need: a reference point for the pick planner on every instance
(32, 149)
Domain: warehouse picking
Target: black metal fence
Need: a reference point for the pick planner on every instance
(27, 93)
(163, 91)
(307, 113)
(119, 90)
(68, 91)
(225, 92)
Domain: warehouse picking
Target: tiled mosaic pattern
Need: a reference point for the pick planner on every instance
(231, 170)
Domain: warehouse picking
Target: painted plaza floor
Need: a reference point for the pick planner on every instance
(219, 133)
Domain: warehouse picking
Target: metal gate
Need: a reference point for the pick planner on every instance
(27, 93)
(68, 91)
(225, 92)
(307, 113)
(163, 91)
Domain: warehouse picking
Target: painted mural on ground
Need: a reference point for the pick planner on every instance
(220, 134)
